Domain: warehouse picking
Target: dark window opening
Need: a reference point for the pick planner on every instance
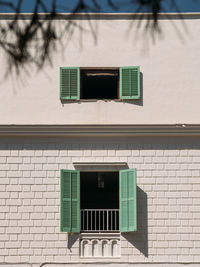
(99, 84)
(99, 201)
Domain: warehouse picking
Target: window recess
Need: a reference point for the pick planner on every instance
(99, 83)
(98, 201)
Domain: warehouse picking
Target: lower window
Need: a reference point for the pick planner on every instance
(98, 201)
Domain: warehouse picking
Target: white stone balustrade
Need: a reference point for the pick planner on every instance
(100, 245)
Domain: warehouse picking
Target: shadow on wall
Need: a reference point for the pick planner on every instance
(139, 239)
(72, 238)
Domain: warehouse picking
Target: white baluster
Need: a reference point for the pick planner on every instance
(105, 248)
(85, 248)
(114, 248)
(95, 248)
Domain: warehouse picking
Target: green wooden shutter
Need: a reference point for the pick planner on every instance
(75, 198)
(128, 201)
(69, 83)
(70, 201)
(130, 82)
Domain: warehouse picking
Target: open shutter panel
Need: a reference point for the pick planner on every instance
(128, 201)
(69, 83)
(75, 210)
(70, 201)
(130, 82)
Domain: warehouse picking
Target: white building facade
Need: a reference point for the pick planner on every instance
(92, 178)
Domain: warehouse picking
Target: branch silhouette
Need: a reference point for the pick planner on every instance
(31, 42)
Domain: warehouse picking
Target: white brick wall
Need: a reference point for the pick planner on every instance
(168, 179)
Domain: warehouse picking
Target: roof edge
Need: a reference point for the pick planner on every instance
(184, 15)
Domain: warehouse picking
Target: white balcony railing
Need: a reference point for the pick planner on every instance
(99, 220)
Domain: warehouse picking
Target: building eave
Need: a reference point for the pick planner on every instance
(99, 16)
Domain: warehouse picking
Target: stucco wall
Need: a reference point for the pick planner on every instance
(169, 61)
(168, 171)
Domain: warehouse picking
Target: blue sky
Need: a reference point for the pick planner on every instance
(123, 5)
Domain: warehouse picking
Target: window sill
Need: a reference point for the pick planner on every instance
(99, 235)
(64, 101)
(92, 100)
(102, 258)
(96, 100)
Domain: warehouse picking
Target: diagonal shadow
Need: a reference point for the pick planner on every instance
(72, 238)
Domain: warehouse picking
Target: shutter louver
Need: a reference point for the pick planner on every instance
(128, 201)
(130, 82)
(69, 83)
(70, 201)
(75, 186)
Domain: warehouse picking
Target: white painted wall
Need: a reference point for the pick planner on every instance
(168, 200)
(170, 68)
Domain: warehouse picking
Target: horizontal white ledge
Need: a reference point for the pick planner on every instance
(100, 235)
(115, 263)
(100, 166)
(99, 130)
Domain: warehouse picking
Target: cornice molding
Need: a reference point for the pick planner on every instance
(100, 166)
(100, 130)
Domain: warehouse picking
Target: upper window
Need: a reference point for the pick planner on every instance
(99, 83)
